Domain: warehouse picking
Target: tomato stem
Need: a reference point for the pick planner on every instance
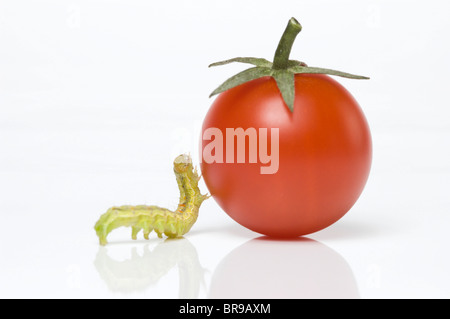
(281, 58)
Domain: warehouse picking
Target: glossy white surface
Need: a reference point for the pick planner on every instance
(97, 98)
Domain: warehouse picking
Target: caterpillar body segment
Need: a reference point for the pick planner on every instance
(154, 218)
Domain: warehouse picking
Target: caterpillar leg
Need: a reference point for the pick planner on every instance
(134, 231)
(159, 228)
(171, 231)
(147, 229)
(102, 237)
(173, 235)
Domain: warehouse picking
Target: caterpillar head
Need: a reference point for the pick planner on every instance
(182, 163)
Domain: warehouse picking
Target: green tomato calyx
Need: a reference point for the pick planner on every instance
(282, 69)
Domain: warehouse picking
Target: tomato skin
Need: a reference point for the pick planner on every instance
(325, 154)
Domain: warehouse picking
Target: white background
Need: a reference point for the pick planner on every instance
(98, 97)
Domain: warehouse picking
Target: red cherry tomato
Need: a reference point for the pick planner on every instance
(324, 156)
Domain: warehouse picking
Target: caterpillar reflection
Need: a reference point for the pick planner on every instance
(162, 220)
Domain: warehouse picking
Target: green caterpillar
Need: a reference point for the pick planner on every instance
(162, 220)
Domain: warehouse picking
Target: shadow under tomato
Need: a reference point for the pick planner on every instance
(283, 268)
